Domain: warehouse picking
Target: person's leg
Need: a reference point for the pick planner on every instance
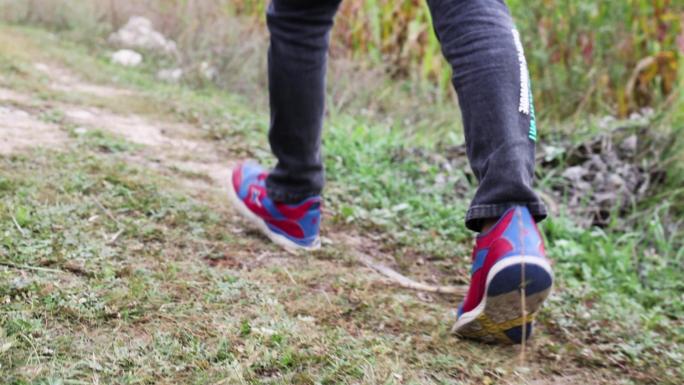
(510, 277)
(297, 62)
(285, 203)
(481, 43)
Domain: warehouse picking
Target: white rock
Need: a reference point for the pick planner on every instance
(172, 75)
(42, 67)
(139, 33)
(629, 144)
(605, 121)
(615, 182)
(647, 111)
(208, 71)
(575, 173)
(635, 116)
(127, 58)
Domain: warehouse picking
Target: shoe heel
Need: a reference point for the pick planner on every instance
(517, 283)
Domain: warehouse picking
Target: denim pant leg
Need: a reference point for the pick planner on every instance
(297, 60)
(480, 42)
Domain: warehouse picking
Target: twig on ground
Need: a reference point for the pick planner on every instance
(289, 275)
(23, 233)
(77, 269)
(115, 237)
(27, 267)
(107, 212)
(327, 298)
(406, 282)
(67, 268)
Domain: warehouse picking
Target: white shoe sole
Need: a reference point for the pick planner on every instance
(496, 314)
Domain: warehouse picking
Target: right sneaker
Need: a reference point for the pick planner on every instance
(295, 227)
(510, 280)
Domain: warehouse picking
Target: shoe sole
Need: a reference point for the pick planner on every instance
(513, 283)
(261, 225)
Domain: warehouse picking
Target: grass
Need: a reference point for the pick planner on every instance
(117, 273)
(149, 308)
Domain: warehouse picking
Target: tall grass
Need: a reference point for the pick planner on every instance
(585, 56)
(617, 56)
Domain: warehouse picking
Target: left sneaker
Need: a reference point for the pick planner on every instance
(510, 279)
(295, 227)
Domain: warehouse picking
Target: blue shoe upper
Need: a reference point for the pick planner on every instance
(298, 222)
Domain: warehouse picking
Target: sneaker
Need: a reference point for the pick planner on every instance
(510, 273)
(294, 227)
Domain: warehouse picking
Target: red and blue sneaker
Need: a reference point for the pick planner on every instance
(510, 279)
(294, 227)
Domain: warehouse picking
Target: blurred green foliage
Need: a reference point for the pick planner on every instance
(607, 57)
(584, 56)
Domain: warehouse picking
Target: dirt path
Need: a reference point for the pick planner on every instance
(19, 129)
(166, 145)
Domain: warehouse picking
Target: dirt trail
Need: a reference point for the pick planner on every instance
(64, 80)
(164, 144)
(19, 129)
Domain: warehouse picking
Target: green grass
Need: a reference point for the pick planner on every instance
(373, 185)
(120, 274)
(149, 308)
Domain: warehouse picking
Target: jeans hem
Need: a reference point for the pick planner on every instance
(288, 197)
(476, 214)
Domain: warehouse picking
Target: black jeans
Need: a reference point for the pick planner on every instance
(480, 42)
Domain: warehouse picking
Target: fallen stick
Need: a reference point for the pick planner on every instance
(21, 231)
(407, 282)
(27, 267)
